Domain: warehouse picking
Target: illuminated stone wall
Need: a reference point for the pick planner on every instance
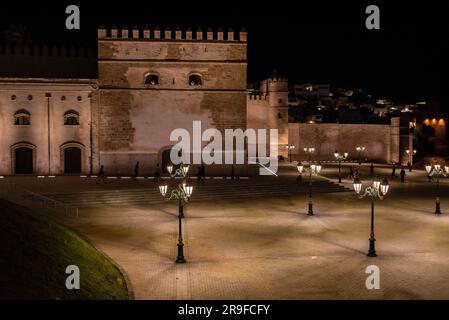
(46, 100)
(135, 119)
(381, 141)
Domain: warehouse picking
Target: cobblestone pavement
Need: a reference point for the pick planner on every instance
(268, 248)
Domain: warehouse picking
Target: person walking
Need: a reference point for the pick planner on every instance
(402, 175)
(371, 169)
(136, 170)
(203, 173)
(299, 179)
(393, 171)
(351, 173)
(101, 175)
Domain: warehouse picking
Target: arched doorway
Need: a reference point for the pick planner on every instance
(23, 160)
(72, 160)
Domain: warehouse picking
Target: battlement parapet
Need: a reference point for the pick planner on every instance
(278, 79)
(168, 34)
(45, 51)
(257, 97)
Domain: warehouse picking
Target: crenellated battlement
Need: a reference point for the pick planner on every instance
(156, 34)
(257, 96)
(278, 79)
(45, 51)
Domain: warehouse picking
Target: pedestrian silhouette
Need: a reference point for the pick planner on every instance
(136, 170)
(201, 174)
(402, 175)
(101, 175)
(371, 169)
(393, 171)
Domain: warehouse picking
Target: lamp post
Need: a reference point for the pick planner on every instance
(411, 131)
(377, 190)
(290, 147)
(180, 193)
(359, 151)
(438, 171)
(313, 169)
(410, 158)
(340, 157)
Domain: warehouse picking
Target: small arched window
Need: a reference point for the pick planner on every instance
(152, 79)
(195, 80)
(22, 117)
(71, 118)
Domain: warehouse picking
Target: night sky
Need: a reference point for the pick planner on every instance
(319, 43)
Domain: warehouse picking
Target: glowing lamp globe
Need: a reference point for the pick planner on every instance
(163, 189)
(384, 186)
(376, 183)
(357, 185)
(188, 190)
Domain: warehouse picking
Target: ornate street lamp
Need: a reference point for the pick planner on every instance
(312, 169)
(410, 158)
(438, 171)
(359, 151)
(377, 190)
(290, 147)
(181, 193)
(340, 157)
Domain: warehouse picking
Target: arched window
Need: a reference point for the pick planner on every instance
(195, 80)
(22, 117)
(71, 118)
(151, 78)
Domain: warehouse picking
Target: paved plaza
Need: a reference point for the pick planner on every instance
(266, 247)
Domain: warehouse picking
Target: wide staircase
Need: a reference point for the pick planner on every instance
(211, 190)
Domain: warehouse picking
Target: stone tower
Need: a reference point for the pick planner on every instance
(154, 81)
(269, 109)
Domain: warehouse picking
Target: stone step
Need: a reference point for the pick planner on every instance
(97, 198)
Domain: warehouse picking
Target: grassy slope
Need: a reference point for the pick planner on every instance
(34, 253)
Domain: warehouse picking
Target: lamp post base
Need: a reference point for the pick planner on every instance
(180, 258)
(372, 248)
(310, 212)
